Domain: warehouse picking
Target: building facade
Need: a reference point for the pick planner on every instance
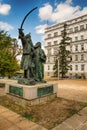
(77, 31)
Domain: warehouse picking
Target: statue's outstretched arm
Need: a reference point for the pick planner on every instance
(21, 34)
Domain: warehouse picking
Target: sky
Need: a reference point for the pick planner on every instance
(49, 12)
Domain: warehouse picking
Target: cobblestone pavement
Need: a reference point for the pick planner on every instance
(70, 89)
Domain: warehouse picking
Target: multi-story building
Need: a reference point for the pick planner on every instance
(77, 31)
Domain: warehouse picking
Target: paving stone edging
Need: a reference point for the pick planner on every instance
(12, 121)
(76, 122)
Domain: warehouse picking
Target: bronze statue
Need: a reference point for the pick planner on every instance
(28, 51)
(33, 58)
(40, 58)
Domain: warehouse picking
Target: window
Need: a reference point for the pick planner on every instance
(76, 67)
(49, 43)
(82, 57)
(48, 59)
(70, 67)
(48, 67)
(76, 57)
(62, 32)
(55, 42)
(55, 51)
(49, 51)
(54, 59)
(70, 39)
(70, 58)
(76, 47)
(55, 34)
(86, 26)
(76, 29)
(71, 48)
(82, 67)
(48, 73)
(82, 47)
(76, 38)
(49, 35)
(70, 30)
(81, 27)
(82, 37)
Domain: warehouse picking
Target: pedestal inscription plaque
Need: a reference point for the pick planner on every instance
(16, 90)
(45, 91)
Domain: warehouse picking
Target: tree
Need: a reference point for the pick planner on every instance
(16, 49)
(63, 54)
(8, 62)
(55, 68)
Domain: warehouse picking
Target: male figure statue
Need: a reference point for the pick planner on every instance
(28, 49)
(40, 58)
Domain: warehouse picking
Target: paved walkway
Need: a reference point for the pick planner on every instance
(72, 89)
(11, 121)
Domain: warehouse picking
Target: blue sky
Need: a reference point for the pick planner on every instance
(49, 12)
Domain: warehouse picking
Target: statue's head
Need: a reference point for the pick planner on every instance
(38, 44)
(28, 36)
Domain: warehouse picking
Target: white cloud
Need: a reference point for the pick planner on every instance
(4, 9)
(45, 12)
(5, 26)
(63, 11)
(40, 29)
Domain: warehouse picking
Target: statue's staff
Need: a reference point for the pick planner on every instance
(26, 17)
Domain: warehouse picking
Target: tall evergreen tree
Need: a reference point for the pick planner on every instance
(55, 68)
(63, 54)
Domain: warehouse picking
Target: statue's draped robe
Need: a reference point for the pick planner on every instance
(26, 57)
(39, 60)
(26, 61)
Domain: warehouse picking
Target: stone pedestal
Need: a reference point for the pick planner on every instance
(34, 94)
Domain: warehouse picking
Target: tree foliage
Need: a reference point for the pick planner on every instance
(63, 54)
(55, 68)
(8, 62)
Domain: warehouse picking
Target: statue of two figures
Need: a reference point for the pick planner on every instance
(32, 61)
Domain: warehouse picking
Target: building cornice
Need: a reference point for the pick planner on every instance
(67, 34)
(79, 41)
(74, 42)
(60, 25)
(79, 52)
(76, 62)
(52, 46)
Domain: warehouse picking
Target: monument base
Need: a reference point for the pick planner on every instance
(26, 95)
(25, 81)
